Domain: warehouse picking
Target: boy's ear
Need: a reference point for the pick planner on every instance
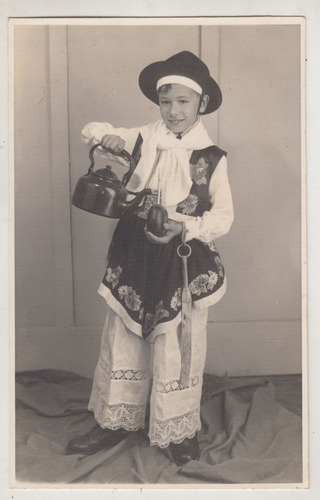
(204, 103)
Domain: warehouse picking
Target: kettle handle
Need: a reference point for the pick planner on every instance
(123, 154)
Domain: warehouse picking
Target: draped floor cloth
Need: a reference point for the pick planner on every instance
(251, 433)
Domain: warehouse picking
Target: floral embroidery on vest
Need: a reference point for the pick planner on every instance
(189, 205)
(198, 172)
(202, 165)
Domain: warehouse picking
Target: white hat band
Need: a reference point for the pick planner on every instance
(181, 80)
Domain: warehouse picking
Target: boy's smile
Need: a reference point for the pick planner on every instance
(180, 106)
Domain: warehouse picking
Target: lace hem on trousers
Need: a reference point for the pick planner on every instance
(125, 416)
(131, 371)
(175, 430)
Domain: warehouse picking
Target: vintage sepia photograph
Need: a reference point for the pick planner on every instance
(158, 185)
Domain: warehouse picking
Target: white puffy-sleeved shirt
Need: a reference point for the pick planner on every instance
(213, 223)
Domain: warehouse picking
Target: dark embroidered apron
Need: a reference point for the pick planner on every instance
(146, 279)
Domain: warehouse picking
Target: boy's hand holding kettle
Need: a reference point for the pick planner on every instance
(113, 142)
(170, 228)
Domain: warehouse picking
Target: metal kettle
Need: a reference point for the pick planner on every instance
(102, 193)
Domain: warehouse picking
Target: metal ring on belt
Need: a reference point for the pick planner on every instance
(186, 246)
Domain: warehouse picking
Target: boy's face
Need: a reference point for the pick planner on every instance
(179, 107)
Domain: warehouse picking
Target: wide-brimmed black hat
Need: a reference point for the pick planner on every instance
(183, 64)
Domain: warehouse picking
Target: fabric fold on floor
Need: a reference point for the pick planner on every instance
(251, 434)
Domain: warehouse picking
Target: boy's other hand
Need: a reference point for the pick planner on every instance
(172, 229)
(113, 142)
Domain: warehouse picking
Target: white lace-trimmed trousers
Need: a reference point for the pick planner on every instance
(132, 371)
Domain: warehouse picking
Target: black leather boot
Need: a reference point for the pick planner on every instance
(185, 451)
(95, 440)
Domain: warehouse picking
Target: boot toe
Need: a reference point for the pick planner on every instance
(186, 451)
(95, 440)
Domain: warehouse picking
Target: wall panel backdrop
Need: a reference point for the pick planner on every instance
(66, 76)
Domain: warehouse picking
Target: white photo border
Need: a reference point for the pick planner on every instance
(311, 13)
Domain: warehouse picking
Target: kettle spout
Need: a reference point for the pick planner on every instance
(132, 204)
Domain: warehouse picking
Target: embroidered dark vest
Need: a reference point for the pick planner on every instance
(203, 163)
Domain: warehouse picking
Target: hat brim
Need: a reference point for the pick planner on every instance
(153, 72)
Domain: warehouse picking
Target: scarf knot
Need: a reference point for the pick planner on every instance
(164, 162)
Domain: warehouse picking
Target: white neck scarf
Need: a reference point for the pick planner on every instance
(165, 161)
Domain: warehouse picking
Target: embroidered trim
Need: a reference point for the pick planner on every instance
(113, 275)
(135, 327)
(128, 374)
(151, 320)
(219, 265)
(131, 298)
(209, 300)
(176, 300)
(174, 385)
(141, 313)
(127, 416)
(119, 309)
(203, 283)
(149, 200)
(175, 430)
(188, 205)
(198, 172)
(212, 246)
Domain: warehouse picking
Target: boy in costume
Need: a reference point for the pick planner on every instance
(141, 357)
